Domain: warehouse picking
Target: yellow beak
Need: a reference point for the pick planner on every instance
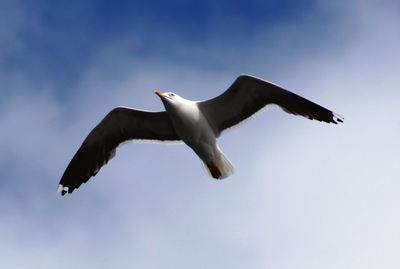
(160, 94)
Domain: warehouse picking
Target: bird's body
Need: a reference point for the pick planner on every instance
(197, 124)
(194, 130)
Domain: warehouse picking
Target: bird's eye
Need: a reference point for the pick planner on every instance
(171, 94)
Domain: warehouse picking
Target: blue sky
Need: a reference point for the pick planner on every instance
(305, 194)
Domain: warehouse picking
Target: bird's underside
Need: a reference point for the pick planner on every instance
(243, 98)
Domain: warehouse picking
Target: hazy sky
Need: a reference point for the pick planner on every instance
(305, 194)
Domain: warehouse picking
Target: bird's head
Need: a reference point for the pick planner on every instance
(166, 95)
(170, 99)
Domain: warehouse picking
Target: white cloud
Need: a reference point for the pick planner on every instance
(308, 195)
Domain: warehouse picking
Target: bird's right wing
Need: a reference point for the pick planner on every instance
(121, 124)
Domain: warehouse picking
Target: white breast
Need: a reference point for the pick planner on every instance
(191, 125)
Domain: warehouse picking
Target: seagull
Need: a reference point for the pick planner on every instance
(197, 123)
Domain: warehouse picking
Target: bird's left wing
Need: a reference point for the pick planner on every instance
(121, 124)
(248, 94)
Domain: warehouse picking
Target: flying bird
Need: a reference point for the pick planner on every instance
(197, 123)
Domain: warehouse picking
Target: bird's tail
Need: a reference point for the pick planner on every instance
(220, 167)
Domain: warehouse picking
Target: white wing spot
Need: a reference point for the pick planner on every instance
(62, 188)
(337, 117)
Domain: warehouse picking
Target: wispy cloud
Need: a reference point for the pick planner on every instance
(307, 194)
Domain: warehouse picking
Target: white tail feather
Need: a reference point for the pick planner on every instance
(220, 167)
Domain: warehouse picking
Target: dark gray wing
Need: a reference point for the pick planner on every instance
(121, 124)
(248, 94)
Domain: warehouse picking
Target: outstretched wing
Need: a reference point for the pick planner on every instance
(248, 94)
(121, 124)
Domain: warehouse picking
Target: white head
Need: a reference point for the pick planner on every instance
(167, 95)
(171, 99)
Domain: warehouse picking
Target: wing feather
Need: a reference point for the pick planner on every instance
(248, 94)
(119, 125)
